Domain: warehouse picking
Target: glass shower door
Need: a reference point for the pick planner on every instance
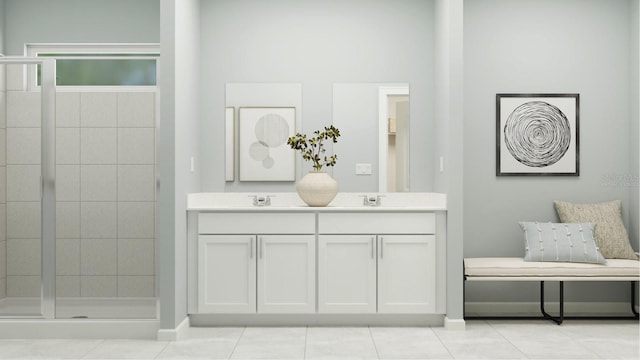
(27, 190)
(105, 203)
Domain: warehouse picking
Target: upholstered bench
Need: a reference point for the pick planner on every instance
(516, 269)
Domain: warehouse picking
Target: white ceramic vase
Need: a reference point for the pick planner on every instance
(317, 188)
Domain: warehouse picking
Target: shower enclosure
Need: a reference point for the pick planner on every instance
(77, 197)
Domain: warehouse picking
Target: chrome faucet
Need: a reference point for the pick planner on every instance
(371, 200)
(261, 200)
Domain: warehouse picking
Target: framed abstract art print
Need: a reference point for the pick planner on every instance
(537, 134)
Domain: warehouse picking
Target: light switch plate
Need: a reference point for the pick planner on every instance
(363, 169)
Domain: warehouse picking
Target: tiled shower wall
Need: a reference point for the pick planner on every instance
(105, 193)
(3, 188)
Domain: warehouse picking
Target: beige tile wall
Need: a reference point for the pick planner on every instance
(3, 185)
(22, 187)
(105, 191)
(106, 194)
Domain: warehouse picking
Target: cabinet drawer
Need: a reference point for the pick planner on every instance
(256, 223)
(377, 223)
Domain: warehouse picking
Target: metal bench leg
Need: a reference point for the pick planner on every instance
(633, 299)
(560, 318)
(464, 297)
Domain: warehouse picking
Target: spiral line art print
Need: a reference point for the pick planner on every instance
(537, 134)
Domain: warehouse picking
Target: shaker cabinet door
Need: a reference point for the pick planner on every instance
(226, 274)
(406, 274)
(286, 274)
(347, 274)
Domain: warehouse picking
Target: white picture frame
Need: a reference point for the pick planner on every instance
(230, 143)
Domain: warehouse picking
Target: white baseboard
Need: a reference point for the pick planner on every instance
(316, 319)
(454, 324)
(533, 308)
(174, 334)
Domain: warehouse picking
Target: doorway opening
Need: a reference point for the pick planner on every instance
(393, 130)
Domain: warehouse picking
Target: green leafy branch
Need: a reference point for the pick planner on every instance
(312, 149)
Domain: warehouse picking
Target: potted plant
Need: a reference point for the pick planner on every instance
(316, 188)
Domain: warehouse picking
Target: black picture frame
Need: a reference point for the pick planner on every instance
(538, 134)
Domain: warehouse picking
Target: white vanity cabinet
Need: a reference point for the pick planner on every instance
(291, 264)
(377, 262)
(254, 262)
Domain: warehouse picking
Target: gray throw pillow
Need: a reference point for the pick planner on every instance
(560, 242)
(611, 236)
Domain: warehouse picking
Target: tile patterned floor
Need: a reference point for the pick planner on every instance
(481, 340)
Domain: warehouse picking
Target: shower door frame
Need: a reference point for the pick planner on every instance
(47, 183)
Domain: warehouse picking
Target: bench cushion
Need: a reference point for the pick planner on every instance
(510, 267)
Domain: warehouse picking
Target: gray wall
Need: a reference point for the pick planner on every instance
(316, 43)
(88, 21)
(539, 46)
(449, 141)
(3, 168)
(179, 127)
(634, 83)
(2, 17)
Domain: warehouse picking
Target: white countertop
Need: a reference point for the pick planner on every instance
(289, 201)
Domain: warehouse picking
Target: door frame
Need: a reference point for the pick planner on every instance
(47, 181)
